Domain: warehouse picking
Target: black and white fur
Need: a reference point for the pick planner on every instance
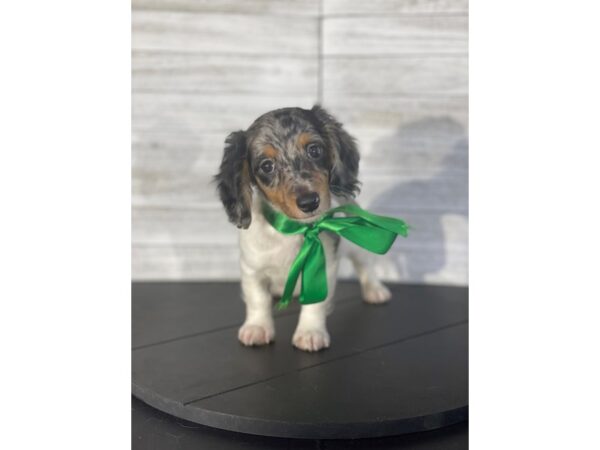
(301, 163)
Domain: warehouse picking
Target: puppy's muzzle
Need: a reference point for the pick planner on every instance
(308, 202)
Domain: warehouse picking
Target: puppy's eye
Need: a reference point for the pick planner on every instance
(267, 166)
(314, 151)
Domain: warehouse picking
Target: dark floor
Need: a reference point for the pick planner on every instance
(155, 430)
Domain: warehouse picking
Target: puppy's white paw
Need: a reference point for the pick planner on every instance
(311, 340)
(254, 334)
(375, 293)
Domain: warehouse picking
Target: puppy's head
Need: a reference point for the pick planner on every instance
(295, 158)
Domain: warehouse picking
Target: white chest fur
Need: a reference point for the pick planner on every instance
(267, 254)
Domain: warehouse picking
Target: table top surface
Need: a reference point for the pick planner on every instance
(391, 369)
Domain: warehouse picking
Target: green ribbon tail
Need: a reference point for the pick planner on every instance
(370, 231)
(314, 275)
(390, 224)
(294, 273)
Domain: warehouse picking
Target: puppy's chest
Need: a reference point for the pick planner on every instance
(269, 253)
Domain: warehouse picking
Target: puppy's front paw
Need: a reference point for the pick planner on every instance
(375, 293)
(311, 340)
(253, 334)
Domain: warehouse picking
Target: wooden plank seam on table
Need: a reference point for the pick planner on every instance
(333, 360)
(340, 303)
(142, 391)
(424, 385)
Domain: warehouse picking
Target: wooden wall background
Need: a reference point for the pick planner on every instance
(393, 71)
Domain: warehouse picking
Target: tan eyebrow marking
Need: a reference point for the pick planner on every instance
(303, 139)
(270, 151)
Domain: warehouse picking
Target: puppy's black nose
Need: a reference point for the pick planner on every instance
(308, 202)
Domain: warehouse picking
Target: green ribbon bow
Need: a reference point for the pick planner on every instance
(370, 231)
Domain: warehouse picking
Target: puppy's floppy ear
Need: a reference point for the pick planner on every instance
(345, 158)
(233, 180)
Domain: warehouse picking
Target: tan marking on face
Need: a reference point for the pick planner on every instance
(284, 200)
(270, 152)
(304, 139)
(321, 186)
(285, 194)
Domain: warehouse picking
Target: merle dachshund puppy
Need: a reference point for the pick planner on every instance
(300, 162)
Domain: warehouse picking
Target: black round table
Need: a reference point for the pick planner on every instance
(391, 369)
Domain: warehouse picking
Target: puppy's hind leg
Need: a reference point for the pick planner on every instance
(373, 290)
(258, 328)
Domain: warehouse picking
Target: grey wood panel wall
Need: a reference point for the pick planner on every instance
(395, 72)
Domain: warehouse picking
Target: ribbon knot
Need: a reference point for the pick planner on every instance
(370, 231)
(312, 232)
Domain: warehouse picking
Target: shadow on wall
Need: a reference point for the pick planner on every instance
(436, 207)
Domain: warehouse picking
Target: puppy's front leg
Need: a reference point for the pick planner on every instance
(311, 333)
(258, 328)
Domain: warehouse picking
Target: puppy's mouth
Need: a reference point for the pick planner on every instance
(307, 218)
(304, 217)
(301, 216)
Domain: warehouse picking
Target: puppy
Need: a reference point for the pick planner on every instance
(301, 163)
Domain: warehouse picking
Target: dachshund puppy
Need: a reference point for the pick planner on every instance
(301, 163)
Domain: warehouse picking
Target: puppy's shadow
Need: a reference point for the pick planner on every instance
(436, 207)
